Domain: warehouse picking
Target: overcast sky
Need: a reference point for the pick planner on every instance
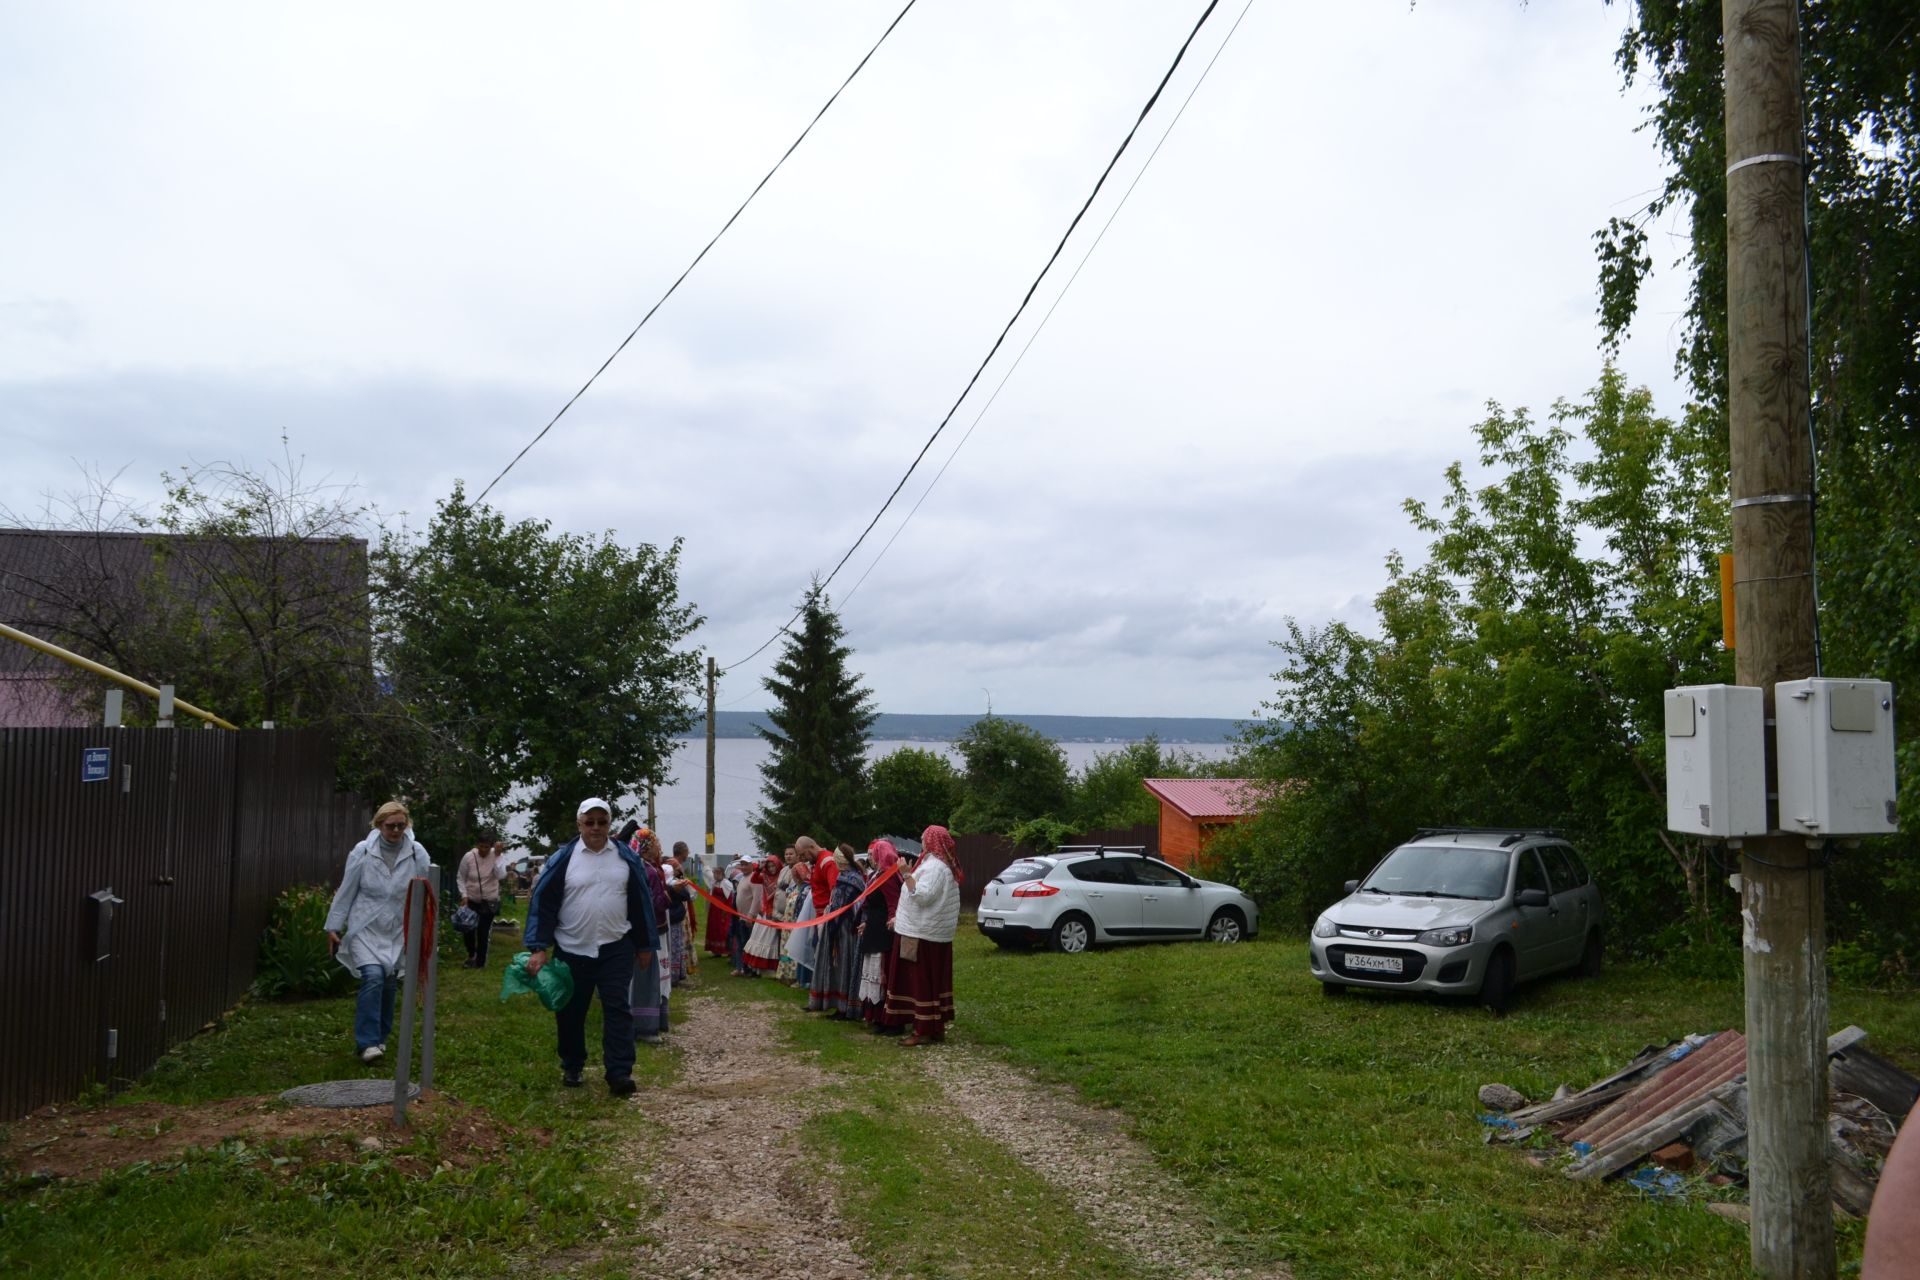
(404, 234)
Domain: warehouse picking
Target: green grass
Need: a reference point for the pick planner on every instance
(280, 1210)
(1342, 1135)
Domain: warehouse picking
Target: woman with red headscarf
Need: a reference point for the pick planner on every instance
(876, 940)
(920, 970)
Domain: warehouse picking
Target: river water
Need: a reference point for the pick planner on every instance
(682, 805)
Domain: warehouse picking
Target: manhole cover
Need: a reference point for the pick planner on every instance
(347, 1093)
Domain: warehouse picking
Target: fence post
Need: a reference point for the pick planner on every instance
(403, 1050)
(433, 988)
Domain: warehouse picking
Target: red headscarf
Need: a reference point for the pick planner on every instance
(885, 858)
(938, 842)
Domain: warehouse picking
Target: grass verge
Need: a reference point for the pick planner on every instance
(419, 1204)
(1342, 1135)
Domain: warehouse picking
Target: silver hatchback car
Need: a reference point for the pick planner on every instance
(1073, 898)
(1463, 911)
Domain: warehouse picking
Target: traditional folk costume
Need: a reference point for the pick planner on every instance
(920, 970)
(876, 940)
(836, 969)
(765, 943)
(717, 920)
(802, 943)
(680, 921)
(652, 981)
(746, 904)
(786, 909)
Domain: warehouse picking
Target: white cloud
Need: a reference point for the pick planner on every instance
(405, 237)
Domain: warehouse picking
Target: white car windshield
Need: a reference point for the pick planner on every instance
(1441, 871)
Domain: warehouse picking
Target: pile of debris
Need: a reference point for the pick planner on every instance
(1684, 1109)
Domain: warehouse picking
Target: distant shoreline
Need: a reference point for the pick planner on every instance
(913, 727)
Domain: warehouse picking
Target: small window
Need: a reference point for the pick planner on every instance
(1581, 874)
(1527, 872)
(1098, 871)
(1559, 868)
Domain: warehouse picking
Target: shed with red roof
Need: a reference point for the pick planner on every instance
(1194, 810)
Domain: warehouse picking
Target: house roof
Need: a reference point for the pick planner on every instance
(1203, 798)
(49, 576)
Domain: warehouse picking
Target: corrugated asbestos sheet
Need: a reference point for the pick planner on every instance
(196, 831)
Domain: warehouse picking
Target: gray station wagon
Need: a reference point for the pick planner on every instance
(1463, 911)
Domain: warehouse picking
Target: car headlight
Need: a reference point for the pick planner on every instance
(1458, 935)
(1324, 927)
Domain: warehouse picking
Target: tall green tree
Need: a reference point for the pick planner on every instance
(1862, 119)
(1107, 791)
(911, 789)
(1518, 673)
(533, 668)
(814, 782)
(1014, 774)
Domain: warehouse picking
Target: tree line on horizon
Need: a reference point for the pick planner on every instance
(1013, 780)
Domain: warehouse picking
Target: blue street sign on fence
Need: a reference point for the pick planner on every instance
(95, 763)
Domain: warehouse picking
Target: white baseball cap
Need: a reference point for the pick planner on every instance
(593, 803)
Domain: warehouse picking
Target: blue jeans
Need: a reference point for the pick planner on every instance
(373, 1010)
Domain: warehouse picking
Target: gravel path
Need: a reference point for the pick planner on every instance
(718, 1223)
(786, 1224)
(1086, 1153)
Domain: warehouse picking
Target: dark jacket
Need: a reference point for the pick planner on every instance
(543, 906)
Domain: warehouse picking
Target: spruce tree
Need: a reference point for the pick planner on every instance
(814, 783)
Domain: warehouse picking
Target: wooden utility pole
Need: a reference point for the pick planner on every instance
(713, 682)
(1783, 883)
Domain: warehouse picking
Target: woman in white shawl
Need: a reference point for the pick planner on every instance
(366, 923)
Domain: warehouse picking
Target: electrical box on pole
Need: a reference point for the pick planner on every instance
(1716, 760)
(1834, 741)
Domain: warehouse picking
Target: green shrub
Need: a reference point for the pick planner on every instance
(294, 959)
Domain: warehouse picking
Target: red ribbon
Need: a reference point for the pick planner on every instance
(872, 884)
(419, 885)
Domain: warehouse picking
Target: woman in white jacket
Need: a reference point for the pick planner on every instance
(920, 970)
(366, 924)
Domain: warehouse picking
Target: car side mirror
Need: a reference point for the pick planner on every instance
(1353, 886)
(1530, 898)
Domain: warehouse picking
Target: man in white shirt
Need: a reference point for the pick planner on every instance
(593, 911)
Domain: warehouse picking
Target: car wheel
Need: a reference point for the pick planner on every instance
(1496, 985)
(1226, 926)
(1331, 989)
(1594, 957)
(1072, 933)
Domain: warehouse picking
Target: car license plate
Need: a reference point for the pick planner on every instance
(1377, 964)
(990, 923)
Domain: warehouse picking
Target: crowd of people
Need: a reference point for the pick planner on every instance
(867, 935)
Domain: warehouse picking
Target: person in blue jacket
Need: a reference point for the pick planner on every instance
(592, 910)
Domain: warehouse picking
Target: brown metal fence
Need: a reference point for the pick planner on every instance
(196, 832)
(982, 857)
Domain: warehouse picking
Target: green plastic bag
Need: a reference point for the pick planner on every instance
(553, 984)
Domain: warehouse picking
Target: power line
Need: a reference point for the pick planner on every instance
(1005, 329)
(541, 435)
(1028, 346)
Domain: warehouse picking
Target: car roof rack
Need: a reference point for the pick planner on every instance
(1512, 835)
(1100, 850)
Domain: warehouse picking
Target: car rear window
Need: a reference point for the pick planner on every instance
(1442, 871)
(1025, 869)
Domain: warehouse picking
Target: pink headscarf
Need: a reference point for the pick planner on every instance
(885, 858)
(938, 842)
